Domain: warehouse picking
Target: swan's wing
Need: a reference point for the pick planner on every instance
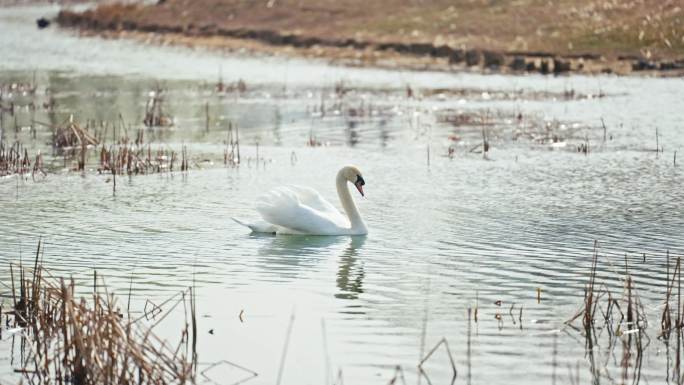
(313, 199)
(300, 209)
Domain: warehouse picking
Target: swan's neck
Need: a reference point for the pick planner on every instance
(357, 224)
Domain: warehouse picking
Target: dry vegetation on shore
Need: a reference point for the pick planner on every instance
(649, 34)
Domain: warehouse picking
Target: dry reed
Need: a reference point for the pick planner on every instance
(624, 319)
(154, 112)
(71, 135)
(231, 154)
(89, 341)
(135, 158)
(15, 160)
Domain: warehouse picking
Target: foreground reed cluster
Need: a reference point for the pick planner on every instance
(612, 323)
(89, 341)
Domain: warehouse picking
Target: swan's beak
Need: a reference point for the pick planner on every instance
(360, 188)
(359, 184)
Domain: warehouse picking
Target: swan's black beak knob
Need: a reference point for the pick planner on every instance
(359, 184)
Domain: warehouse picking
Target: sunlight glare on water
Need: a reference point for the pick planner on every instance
(448, 234)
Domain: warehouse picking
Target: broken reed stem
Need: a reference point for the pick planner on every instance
(237, 142)
(193, 314)
(14, 294)
(630, 309)
(605, 130)
(114, 181)
(468, 352)
(589, 306)
(485, 142)
(554, 362)
(206, 113)
(428, 155)
(444, 342)
(666, 318)
(679, 319)
(285, 346)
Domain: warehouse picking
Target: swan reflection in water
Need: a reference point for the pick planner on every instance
(292, 254)
(350, 270)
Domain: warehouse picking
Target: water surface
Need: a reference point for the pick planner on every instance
(447, 233)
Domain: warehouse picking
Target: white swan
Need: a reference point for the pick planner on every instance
(302, 210)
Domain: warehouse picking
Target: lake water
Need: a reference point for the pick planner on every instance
(449, 231)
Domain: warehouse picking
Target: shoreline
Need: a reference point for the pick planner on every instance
(361, 53)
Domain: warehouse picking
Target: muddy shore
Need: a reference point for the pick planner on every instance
(135, 21)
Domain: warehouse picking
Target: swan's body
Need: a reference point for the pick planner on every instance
(302, 210)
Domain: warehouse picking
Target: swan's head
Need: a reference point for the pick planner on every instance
(353, 175)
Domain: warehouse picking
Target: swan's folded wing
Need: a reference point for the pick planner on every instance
(310, 197)
(298, 209)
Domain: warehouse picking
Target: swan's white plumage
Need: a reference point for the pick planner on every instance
(300, 210)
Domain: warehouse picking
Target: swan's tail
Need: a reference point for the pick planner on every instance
(239, 222)
(258, 227)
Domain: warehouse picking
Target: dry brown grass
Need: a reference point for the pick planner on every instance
(15, 160)
(88, 340)
(635, 27)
